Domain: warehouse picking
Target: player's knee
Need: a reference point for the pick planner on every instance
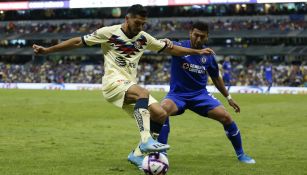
(161, 116)
(226, 119)
(143, 93)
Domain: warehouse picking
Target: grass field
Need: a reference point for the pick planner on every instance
(79, 133)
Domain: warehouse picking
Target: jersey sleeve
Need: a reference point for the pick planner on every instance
(177, 43)
(97, 37)
(213, 68)
(155, 45)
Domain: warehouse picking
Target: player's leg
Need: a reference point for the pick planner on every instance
(173, 104)
(158, 116)
(269, 82)
(232, 131)
(226, 79)
(142, 116)
(207, 105)
(171, 109)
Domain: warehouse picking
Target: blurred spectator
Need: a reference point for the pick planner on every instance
(153, 69)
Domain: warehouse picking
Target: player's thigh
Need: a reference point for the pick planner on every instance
(169, 106)
(220, 114)
(157, 113)
(203, 103)
(135, 92)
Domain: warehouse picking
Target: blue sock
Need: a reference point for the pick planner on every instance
(163, 137)
(233, 134)
(141, 103)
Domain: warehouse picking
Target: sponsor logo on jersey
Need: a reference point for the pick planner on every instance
(194, 68)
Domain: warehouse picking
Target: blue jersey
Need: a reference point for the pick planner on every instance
(268, 73)
(189, 73)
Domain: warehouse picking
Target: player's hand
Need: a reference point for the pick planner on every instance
(168, 42)
(207, 51)
(39, 49)
(234, 105)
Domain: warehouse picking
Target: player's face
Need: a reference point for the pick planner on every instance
(198, 38)
(135, 24)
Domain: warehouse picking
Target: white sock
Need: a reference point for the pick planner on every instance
(142, 117)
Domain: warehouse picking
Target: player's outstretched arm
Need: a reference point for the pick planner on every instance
(181, 51)
(219, 84)
(65, 45)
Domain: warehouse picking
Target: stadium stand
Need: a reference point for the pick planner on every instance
(248, 35)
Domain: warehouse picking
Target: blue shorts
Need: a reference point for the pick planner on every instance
(200, 103)
(227, 79)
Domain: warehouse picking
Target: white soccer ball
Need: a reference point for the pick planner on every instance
(155, 164)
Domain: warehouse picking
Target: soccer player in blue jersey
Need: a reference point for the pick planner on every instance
(268, 75)
(227, 72)
(188, 90)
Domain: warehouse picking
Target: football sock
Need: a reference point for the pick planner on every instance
(163, 136)
(155, 129)
(233, 134)
(142, 117)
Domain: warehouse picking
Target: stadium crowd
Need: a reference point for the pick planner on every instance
(151, 71)
(12, 27)
(169, 11)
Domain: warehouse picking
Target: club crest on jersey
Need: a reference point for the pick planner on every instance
(203, 59)
(185, 66)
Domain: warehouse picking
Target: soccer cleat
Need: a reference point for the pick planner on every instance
(136, 160)
(153, 146)
(246, 159)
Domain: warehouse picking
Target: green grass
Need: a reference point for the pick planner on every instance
(79, 133)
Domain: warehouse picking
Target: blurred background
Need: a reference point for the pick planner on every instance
(251, 34)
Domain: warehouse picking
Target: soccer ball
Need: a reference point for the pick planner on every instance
(155, 164)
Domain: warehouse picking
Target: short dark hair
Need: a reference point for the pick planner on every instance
(202, 26)
(137, 9)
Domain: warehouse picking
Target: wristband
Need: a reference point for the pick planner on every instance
(229, 97)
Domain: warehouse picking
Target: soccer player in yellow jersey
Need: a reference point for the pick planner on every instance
(122, 46)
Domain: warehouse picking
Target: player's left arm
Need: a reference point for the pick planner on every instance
(218, 82)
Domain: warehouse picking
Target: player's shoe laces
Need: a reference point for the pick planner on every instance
(136, 160)
(153, 146)
(246, 159)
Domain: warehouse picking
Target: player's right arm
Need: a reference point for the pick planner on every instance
(97, 37)
(177, 50)
(65, 45)
(181, 51)
(160, 45)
